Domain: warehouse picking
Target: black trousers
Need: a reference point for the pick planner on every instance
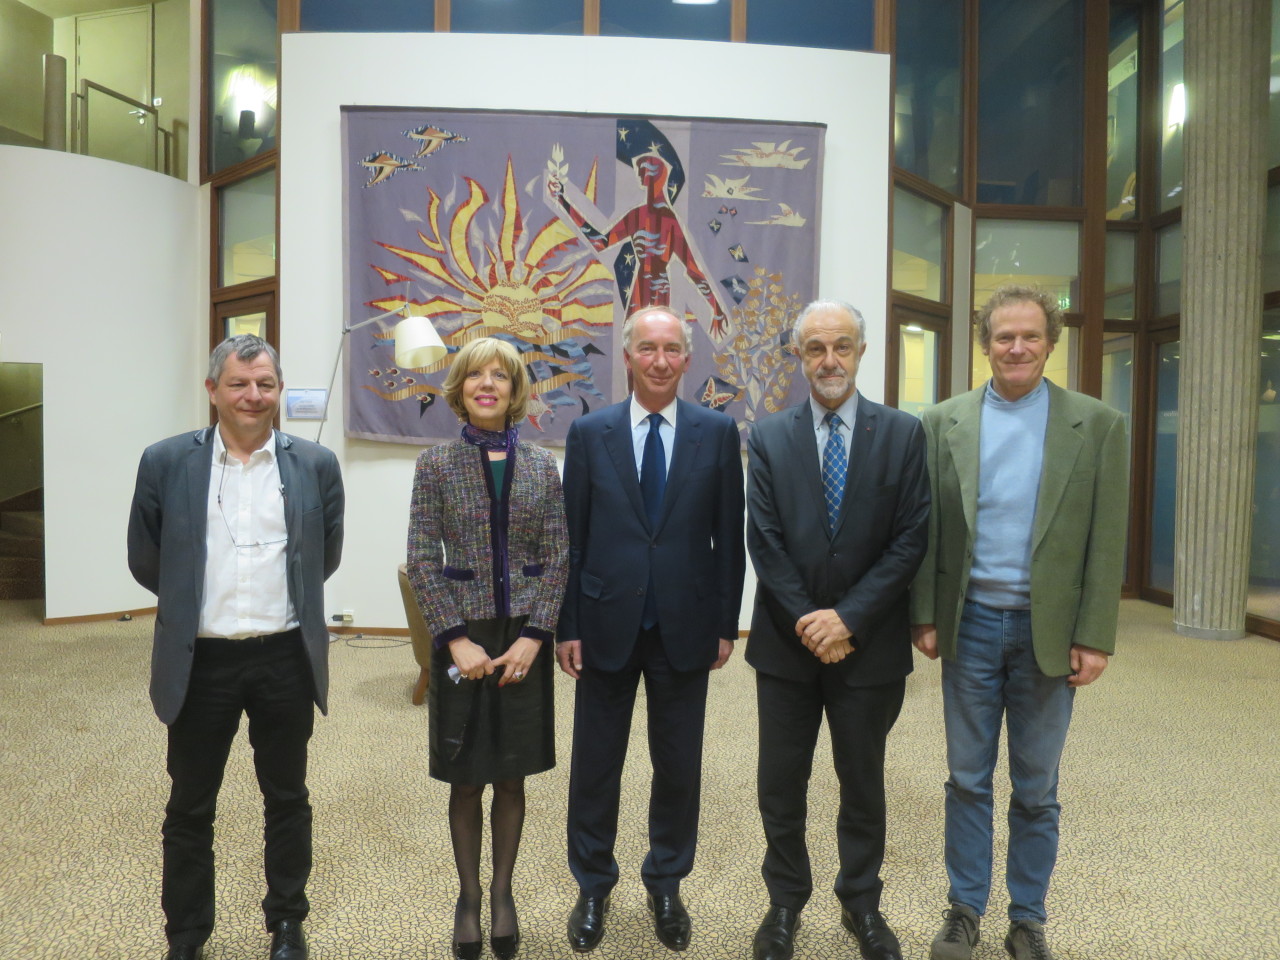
(270, 681)
(603, 704)
(859, 718)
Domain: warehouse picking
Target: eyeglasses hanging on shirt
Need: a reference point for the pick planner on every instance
(226, 523)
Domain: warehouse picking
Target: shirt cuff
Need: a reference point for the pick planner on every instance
(444, 636)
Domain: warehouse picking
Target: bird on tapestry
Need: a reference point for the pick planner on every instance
(432, 138)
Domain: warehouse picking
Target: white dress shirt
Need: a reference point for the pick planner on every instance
(640, 430)
(246, 593)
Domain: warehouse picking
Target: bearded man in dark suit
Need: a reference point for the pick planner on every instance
(838, 510)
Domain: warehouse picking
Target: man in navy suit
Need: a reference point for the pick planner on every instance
(838, 513)
(235, 528)
(654, 495)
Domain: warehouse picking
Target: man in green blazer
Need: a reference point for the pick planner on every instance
(1019, 595)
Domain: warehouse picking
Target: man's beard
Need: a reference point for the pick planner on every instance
(829, 388)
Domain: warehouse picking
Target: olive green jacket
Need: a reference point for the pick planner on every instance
(1078, 539)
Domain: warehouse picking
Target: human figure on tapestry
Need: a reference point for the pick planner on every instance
(650, 236)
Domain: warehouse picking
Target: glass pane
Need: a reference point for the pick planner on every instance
(390, 16)
(1117, 373)
(1121, 248)
(515, 16)
(927, 95)
(116, 130)
(1174, 106)
(247, 221)
(1028, 251)
(1271, 243)
(1169, 270)
(1062, 367)
(842, 24)
(1122, 113)
(687, 21)
(1273, 149)
(1264, 556)
(242, 87)
(917, 368)
(1030, 101)
(254, 323)
(1164, 468)
(919, 244)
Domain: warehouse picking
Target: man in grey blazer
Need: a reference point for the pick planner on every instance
(1019, 595)
(235, 528)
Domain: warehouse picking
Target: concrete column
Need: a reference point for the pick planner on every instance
(1227, 69)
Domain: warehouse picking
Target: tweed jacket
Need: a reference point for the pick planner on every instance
(1078, 535)
(451, 550)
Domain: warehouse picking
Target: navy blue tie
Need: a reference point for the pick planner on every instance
(653, 482)
(653, 472)
(835, 466)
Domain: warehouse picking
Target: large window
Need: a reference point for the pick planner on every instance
(1046, 254)
(1031, 102)
(1122, 112)
(1174, 106)
(241, 88)
(843, 24)
(919, 245)
(247, 230)
(929, 91)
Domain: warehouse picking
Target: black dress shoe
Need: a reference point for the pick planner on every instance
(670, 920)
(504, 948)
(466, 949)
(875, 940)
(288, 941)
(776, 935)
(586, 922)
(184, 951)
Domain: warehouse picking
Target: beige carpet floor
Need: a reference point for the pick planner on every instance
(1171, 822)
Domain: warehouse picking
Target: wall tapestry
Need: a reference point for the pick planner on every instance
(548, 229)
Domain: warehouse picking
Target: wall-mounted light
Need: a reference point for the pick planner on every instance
(1177, 106)
(699, 2)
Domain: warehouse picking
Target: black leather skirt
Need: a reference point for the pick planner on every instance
(482, 733)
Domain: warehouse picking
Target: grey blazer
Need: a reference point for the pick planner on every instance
(167, 550)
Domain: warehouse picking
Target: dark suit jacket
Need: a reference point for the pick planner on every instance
(695, 555)
(1078, 537)
(863, 570)
(167, 550)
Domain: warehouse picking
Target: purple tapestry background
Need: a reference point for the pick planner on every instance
(545, 229)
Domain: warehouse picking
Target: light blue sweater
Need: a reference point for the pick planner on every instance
(1012, 452)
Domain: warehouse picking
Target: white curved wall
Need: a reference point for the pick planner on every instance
(101, 271)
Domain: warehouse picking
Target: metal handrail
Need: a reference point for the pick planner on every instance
(20, 410)
(82, 131)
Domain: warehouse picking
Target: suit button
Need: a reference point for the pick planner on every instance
(639, 591)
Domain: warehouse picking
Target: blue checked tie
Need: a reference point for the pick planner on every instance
(835, 465)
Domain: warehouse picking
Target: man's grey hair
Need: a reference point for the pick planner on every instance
(817, 305)
(629, 327)
(246, 347)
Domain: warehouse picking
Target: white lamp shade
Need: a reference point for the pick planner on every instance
(417, 343)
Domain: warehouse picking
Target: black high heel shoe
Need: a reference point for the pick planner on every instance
(504, 948)
(466, 949)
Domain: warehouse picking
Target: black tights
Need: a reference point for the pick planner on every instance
(506, 820)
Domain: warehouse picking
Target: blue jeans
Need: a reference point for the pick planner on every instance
(995, 675)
